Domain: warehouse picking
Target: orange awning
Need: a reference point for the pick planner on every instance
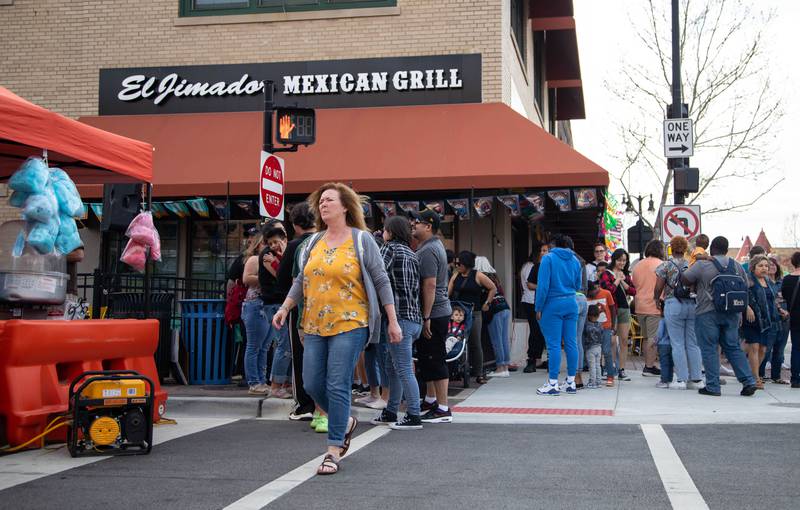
(88, 154)
(443, 147)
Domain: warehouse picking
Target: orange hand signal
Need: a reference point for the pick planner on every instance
(286, 126)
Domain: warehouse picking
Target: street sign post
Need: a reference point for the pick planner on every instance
(271, 178)
(678, 138)
(679, 220)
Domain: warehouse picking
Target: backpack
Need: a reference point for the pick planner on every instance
(233, 302)
(728, 289)
(680, 290)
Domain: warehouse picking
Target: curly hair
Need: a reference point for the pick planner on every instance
(679, 245)
(350, 200)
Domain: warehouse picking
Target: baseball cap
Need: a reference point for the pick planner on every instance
(427, 216)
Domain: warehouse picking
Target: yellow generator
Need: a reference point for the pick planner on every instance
(112, 414)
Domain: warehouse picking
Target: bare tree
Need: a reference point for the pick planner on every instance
(725, 82)
(791, 230)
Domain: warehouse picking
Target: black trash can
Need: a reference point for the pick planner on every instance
(130, 305)
(204, 334)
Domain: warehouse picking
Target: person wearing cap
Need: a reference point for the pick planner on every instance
(436, 313)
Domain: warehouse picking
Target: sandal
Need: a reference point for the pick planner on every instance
(329, 466)
(779, 381)
(481, 379)
(348, 436)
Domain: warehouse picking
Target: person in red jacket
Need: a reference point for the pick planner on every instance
(617, 280)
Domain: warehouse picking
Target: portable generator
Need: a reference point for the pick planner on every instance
(112, 414)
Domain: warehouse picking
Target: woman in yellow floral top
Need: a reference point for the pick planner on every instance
(342, 284)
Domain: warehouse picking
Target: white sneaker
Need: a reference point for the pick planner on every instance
(787, 365)
(377, 404)
(258, 389)
(696, 385)
(366, 400)
(679, 385)
(504, 373)
(662, 384)
(723, 370)
(768, 366)
(548, 389)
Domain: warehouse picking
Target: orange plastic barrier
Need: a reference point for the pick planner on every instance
(39, 359)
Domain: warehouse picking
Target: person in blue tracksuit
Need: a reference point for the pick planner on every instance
(557, 310)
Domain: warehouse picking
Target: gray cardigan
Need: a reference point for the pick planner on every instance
(373, 273)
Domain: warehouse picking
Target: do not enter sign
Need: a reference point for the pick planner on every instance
(680, 220)
(271, 186)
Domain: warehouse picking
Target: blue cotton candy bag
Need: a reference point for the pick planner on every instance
(31, 177)
(69, 200)
(18, 198)
(43, 236)
(68, 238)
(41, 207)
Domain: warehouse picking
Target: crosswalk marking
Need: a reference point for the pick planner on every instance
(680, 487)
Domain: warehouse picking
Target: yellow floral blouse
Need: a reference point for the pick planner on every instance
(335, 300)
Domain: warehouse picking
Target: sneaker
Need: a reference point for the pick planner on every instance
(365, 400)
(258, 389)
(650, 371)
(723, 370)
(706, 391)
(549, 389)
(662, 385)
(609, 382)
(385, 418)
(504, 373)
(314, 420)
(677, 385)
(377, 404)
(281, 393)
(322, 425)
(723, 382)
(437, 416)
(424, 406)
(622, 376)
(410, 422)
(570, 388)
(696, 385)
(300, 414)
(513, 368)
(748, 391)
(529, 368)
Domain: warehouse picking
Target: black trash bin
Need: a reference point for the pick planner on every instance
(130, 305)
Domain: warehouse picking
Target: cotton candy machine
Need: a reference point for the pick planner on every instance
(26, 276)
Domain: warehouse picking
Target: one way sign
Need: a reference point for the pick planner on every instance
(678, 138)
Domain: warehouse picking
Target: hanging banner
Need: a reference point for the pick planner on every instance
(159, 211)
(561, 197)
(220, 206)
(97, 209)
(247, 207)
(179, 209)
(483, 206)
(585, 198)
(512, 202)
(532, 206)
(612, 224)
(199, 206)
(386, 207)
(436, 206)
(408, 206)
(366, 206)
(460, 206)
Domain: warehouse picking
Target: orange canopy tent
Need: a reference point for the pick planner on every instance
(90, 155)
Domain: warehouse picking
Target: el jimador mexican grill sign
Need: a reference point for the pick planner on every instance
(357, 83)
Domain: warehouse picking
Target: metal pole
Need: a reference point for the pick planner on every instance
(677, 100)
(269, 105)
(147, 264)
(472, 230)
(641, 228)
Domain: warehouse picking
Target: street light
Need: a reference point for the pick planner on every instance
(640, 227)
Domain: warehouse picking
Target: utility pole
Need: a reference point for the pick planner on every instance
(677, 101)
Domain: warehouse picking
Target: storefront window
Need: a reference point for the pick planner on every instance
(216, 7)
(212, 251)
(518, 25)
(168, 230)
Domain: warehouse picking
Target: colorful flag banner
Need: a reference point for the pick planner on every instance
(436, 206)
(585, 198)
(483, 206)
(512, 202)
(220, 206)
(158, 210)
(386, 207)
(97, 209)
(199, 206)
(561, 197)
(612, 225)
(179, 209)
(460, 206)
(409, 206)
(366, 206)
(532, 206)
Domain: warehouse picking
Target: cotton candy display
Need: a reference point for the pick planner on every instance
(68, 239)
(31, 177)
(43, 235)
(18, 198)
(40, 207)
(135, 255)
(69, 200)
(143, 235)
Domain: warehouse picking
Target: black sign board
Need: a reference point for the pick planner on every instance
(357, 83)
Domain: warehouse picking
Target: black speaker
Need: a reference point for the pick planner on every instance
(121, 203)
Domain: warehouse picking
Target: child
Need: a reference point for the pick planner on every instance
(593, 344)
(455, 332)
(699, 252)
(664, 356)
(605, 303)
(276, 244)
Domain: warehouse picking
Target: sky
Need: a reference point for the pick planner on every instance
(605, 34)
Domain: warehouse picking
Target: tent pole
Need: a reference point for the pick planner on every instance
(148, 264)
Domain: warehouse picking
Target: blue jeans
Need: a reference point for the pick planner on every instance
(375, 362)
(560, 321)
(775, 350)
(402, 382)
(665, 360)
(498, 334)
(680, 320)
(282, 355)
(328, 366)
(258, 329)
(608, 355)
(721, 329)
(583, 310)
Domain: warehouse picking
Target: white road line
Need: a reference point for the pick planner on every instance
(268, 493)
(679, 486)
(30, 465)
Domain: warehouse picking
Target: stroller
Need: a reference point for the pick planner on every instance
(457, 353)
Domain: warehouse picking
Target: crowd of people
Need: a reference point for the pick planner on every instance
(378, 316)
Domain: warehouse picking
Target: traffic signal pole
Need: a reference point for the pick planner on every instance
(677, 110)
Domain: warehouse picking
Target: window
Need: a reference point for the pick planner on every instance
(518, 25)
(539, 77)
(218, 7)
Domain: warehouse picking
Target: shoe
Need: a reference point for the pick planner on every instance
(549, 389)
(543, 364)
(696, 385)
(570, 388)
(529, 368)
(377, 404)
(410, 422)
(748, 390)
(513, 368)
(723, 370)
(437, 416)
(677, 385)
(795, 385)
(385, 418)
(723, 382)
(609, 382)
(258, 389)
(314, 420)
(504, 373)
(706, 391)
(299, 414)
(622, 376)
(322, 425)
(365, 400)
(779, 381)
(650, 371)
(662, 385)
(424, 406)
(281, 393)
